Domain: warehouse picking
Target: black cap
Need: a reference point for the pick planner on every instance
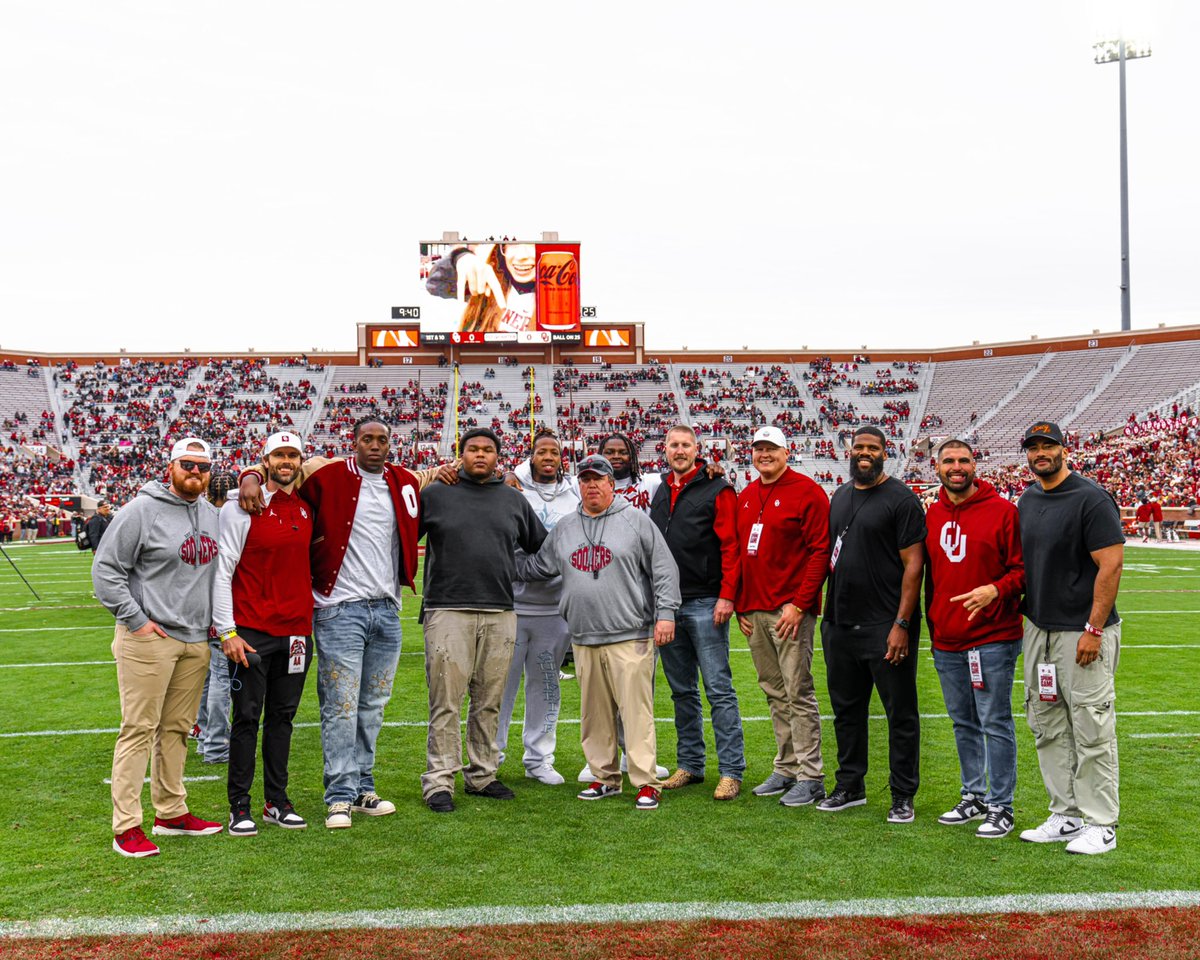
(1043, 430)
(595, 464)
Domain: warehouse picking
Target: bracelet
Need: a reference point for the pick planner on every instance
(1088, 628)
(229, 634)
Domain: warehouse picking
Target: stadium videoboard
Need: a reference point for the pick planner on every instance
(506, 292)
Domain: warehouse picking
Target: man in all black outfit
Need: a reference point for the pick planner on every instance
(97, 523)
(870, 631)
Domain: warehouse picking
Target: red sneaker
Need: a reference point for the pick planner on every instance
(647, 799)
(195, 732)
(185, 826)
(134, 843)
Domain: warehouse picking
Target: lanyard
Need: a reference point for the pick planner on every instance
(593, 545)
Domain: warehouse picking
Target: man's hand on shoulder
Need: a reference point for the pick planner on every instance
(250, 496)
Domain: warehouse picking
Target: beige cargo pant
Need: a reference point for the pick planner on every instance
(618, 678)
(1076, 735)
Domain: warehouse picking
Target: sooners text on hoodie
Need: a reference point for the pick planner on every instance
(971, 544)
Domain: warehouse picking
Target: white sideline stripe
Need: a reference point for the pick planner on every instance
(599, 913)
(50, 629)
(62, 663)
(108, 780)
(567, 721)
(1159, 736)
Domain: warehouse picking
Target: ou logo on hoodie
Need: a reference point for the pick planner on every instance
(953, 541)
(206, 554)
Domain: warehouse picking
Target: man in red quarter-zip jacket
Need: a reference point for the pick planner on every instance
(974, 578)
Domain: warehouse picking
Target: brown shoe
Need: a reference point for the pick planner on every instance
(681, 778)
(727, 789)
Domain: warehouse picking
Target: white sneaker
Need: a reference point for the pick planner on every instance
(1094, 839)
(660, 771)
(585, 775)
(337, 817)
(545, 774)
(1056, 829)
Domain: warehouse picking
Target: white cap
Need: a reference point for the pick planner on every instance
(769, 435)
(277, 440)
(180, 449)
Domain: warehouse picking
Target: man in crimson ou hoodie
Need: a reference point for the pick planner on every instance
(974, 578)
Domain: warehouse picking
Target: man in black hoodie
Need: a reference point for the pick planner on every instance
(471, 530)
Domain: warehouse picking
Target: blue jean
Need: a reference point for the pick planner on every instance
(358, 647)
(214, 718)
(983, 719)
(701, 646)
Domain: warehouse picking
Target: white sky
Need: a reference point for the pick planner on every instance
(225, 175)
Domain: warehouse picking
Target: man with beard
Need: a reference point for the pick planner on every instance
(620, 594)
(262, 612)
(973, 586)
(870, 630)
(472, 529)
(1074, 552)
(542, 635)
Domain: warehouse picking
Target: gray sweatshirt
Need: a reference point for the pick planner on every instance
(157, 561)
(618, 576)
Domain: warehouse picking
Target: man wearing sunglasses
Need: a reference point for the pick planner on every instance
(154, 572)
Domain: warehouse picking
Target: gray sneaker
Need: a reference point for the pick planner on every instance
(774, 785)
(804, 793)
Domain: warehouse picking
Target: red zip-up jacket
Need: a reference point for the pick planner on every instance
(969, 545)
(270, 586)
(793, 554)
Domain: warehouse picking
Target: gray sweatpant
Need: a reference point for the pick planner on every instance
(542, 642)
(1075, 736)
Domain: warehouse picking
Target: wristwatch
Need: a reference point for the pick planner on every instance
(902, 623)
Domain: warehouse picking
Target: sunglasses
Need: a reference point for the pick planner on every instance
(189, 465)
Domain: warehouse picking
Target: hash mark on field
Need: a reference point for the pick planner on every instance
(204, 779)
(599, 913)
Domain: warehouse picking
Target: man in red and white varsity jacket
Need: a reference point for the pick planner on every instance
(974, 578)
(366, 513)
(262, 611)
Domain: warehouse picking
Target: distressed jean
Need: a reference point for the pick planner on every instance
(215, 703)
(358, 647)
(984, 731)
(700, 646)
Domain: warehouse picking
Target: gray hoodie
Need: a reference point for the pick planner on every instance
(157, 561)
(618, 576)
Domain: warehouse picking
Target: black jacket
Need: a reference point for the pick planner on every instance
(689, 531)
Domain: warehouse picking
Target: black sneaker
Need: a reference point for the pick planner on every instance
(998, 823)
(284, 815)
(241, 824)
(493, 791)
(842, 799)
(440, 802)
(969, 808)
(902, 810)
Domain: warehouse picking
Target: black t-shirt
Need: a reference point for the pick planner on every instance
(1059, 530)
(874, 525)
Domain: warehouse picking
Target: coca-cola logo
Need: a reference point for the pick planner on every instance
(207, 553)
(591, 559)
(559, 274)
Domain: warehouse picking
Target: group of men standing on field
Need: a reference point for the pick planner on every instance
(624, 569)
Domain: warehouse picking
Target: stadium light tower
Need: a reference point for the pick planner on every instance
(1118, 51)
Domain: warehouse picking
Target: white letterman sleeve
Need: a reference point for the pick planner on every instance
(232, 527)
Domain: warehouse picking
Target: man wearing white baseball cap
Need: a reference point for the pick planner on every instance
(154, 572)
(783, 540)
(262, 611)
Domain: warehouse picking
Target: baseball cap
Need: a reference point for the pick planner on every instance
(1043, 430)
(283, 439)
(769, 435)
(180, 449)
(595, 464)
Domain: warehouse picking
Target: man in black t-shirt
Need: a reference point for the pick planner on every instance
(1074, 550)
(870, 630)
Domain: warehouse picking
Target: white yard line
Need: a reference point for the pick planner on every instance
(597, 914)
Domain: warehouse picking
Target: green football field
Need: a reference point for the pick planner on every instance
(59, 710)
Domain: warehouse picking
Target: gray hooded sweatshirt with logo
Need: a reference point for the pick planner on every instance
(157, 562)
(618, 575)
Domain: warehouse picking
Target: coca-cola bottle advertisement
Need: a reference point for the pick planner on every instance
(558, 299)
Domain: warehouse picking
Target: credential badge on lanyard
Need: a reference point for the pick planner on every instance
(837, 549)
(1047, 683)
(975, 668)
(753, 541)
(296, 654)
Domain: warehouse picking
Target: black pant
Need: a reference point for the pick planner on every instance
(267, 682)
(854, 665)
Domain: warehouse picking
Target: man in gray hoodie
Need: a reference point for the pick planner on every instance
(154, 572)
(620, 591)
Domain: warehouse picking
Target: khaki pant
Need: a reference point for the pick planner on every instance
(618, 678)
(1076, 736)
(467, 652)
(160, 681)
(784, 670)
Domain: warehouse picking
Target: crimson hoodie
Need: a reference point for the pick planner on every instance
(968, 545)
